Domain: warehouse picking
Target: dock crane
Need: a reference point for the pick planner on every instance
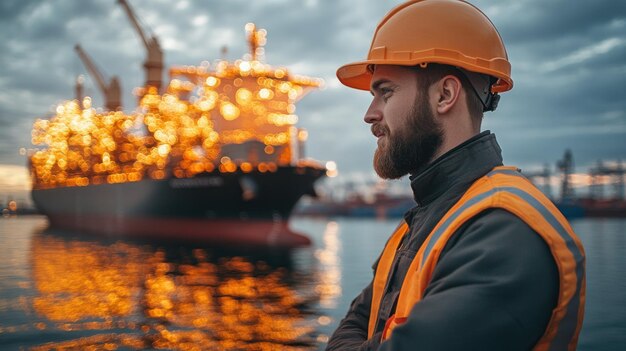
(613, 174)
(154, 61)
(112, 92)
(566, 166)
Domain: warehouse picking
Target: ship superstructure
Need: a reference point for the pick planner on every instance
(216, 156)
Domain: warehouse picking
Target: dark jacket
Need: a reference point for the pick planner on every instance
(494, 286)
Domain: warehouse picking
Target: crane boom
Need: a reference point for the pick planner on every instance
(91, 67)
(154, 59)
(112, 92)
(133, 19)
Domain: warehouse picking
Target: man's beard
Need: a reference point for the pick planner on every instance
(412, 147)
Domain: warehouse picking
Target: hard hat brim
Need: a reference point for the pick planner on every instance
(356, 75)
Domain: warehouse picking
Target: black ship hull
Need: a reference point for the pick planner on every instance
(225, 208)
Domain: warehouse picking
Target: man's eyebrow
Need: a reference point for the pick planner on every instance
(376, 85)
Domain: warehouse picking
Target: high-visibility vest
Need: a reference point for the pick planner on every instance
(505, 188)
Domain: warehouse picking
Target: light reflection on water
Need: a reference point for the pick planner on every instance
(101, 294)
(65, 292)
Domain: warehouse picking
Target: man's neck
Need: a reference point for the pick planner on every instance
(452, 138)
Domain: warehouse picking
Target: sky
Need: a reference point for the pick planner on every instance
(568, 64)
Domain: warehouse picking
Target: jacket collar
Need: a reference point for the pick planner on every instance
(460, 166)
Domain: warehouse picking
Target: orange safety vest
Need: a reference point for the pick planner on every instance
(506, 188)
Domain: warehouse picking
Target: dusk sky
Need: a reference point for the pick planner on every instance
(568, 64)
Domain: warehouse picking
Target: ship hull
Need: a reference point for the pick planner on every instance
(223, 208)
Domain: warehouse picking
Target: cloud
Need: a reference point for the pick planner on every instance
(568, 59)
(583, 54)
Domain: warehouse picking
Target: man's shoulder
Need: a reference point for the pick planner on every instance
(499, 247)
(501, 233)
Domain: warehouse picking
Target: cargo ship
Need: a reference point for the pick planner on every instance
(214, 156)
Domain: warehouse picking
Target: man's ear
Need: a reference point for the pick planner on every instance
(448, 90)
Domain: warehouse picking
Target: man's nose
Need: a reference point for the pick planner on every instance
(373, 114)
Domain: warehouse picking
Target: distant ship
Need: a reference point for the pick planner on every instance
(359, 199)
(381, 205)
(215, 156)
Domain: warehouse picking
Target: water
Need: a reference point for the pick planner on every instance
(63, 291)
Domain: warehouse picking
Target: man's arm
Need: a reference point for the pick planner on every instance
(352, 331)
(494, 288)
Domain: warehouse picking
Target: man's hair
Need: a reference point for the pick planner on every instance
(433, 72)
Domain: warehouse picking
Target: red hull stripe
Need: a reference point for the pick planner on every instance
(219, 231)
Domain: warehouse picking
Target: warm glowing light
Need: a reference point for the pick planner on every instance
(212, 81)
(233, 304)
(331, 169)
(204, 115)
(87, 102)
(229, 111)
(244, 66)
(106, 158)
(164, 149)
(243, 96)
(282, 119)
(329, 287)
(324, 320)
(303, 135)
(265, 94)
(206, 104)
(246, 167)
(293, 94)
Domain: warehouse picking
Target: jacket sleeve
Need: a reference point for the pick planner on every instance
(351, 334)
(494, 288)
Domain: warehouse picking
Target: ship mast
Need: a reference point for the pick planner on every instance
(79, 88)
(256, 41)
(154, 60)
(112, 92)
(566, 165)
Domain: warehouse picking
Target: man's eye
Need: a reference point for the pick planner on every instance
(386, 93)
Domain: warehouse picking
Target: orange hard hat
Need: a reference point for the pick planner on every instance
(451, 32)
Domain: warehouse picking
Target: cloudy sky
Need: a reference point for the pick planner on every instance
(568, 58)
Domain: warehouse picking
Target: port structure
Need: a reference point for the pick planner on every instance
(111, 91)
(566, 166)
(602, 174)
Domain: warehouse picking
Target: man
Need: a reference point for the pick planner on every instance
(484, 261)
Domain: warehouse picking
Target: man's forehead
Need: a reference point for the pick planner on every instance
(392, 73)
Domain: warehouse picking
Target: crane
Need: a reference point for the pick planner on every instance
(154, 61)
(566, 165)
(112, 92)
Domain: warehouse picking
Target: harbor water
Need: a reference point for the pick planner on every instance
(61, 290)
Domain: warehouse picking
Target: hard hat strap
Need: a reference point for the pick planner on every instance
(481, 85)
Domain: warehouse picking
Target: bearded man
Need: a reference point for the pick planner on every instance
(484, 261)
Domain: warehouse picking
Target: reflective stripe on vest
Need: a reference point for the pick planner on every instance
(382, 273)
(504, 188)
